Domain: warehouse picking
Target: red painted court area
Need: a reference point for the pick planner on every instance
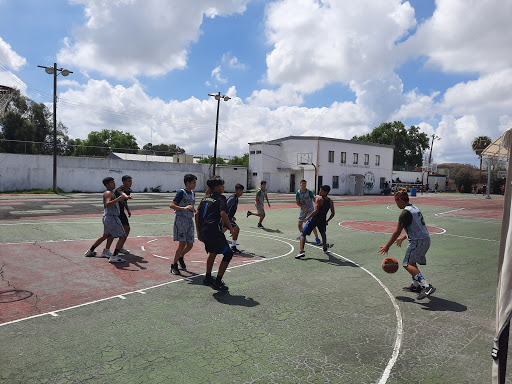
(48, 276)
(381, 226)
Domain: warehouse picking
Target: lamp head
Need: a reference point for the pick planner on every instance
(226, 98)
(64, 72)
(49, 70)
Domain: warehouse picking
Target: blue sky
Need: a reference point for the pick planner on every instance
(308, 67)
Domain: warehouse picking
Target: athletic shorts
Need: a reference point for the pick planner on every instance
(124, 219)
(112, 226)
(183, 229)
(233, 224)
(260, 208)
(312, 224)
(416, 252)
(303, 214)
(216, 243)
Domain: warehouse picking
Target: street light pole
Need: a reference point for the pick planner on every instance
(217, 97)
(53, 71)
(434, 137)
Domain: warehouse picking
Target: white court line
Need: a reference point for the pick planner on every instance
(385, 233)
(453, 210)
(399, 330)
(399, 327)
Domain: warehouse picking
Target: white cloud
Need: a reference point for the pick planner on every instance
(216, 74)
(127, 38)
(317, 43)
(232, 61)
(9, 58)
(284, 95)
(466, 36)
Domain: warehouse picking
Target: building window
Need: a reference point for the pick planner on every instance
(258, 152)
(335, 182)
(252, 152)
(356, 158)
(331, 157)
(377, 160)
(255, 173)
(366, 159)
(343, 157)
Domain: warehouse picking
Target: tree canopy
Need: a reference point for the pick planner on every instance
(104, 142)
(162, 149)
(479, 144)
(409, 143)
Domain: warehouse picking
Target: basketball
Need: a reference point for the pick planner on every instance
(390, 265)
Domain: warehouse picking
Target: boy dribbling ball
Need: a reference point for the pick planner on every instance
(412, 221)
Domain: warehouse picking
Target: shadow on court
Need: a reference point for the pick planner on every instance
(435, 304)
(240, 300)
(131, 260)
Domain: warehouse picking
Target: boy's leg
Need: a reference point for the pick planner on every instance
(180, 251)
(110, 240)
(316, 237)
(90, 252)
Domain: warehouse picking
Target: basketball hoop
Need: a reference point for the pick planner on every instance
(6, 94)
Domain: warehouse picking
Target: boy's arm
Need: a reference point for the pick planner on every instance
(332, 212)
(268, 202)
(225, 221)
(196, 220)
(111, 201)
(385, 248)
(315, 211)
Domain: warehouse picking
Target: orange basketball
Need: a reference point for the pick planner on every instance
(390, 265)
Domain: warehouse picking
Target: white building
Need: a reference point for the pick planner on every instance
(348, 167)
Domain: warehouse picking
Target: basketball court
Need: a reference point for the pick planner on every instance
(326, 318)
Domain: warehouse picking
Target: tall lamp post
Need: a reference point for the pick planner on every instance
(54, 71)
(434, 137)
(217, 97)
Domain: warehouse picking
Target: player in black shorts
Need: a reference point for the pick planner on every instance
(210, 216)
(123, 205)
(318, 219)
(232, 205)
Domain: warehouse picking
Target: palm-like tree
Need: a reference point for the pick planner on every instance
(478, 145)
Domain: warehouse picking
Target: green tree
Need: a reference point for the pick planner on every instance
(466, 175)
(409, 143)
(244, 160)
(479, 144)
(107, 141)
(209, 160)
(161, 149)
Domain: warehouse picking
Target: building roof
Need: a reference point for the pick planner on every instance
(498, 148)
(133, 157)
(277, 141)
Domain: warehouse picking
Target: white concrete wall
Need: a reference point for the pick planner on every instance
(232, 175)
(84, 174)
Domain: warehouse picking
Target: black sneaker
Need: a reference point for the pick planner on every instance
(426, 292)
(249, 213)
(208, 281)
(300, 255)
(220, 286)
(182, 263)
(175, 270)
(235, 249)
(259, 225)
(412, 288)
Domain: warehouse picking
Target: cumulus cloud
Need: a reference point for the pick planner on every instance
(466, 36)
(317, 43)
(127, 38)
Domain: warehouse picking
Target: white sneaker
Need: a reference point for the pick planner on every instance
(124, 251)
(106, 253)
(90, 253)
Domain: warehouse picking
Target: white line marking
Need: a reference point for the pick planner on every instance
(150, 241)
(162, 257)
(443, 231)
(143, 249)
(453, 210)
(399, 331)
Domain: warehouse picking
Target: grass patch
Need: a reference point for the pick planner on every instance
(47, 191)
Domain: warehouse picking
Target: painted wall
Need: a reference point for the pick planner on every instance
(84, 174)
(282, 161)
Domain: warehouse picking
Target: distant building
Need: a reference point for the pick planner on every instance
(348, 167)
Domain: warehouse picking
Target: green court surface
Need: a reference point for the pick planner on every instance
(334, 318)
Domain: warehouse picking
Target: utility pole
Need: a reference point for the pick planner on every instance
(217, 97)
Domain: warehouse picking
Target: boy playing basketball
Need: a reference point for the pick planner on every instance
(183, 205)
(123, 204)
(112, 226)
(261, 195)
(318, 219)
(305, 199)
(210, 216)
(232, 205)
(412, 221)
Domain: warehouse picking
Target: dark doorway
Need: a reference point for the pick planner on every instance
(292, 182)
(320, 183)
